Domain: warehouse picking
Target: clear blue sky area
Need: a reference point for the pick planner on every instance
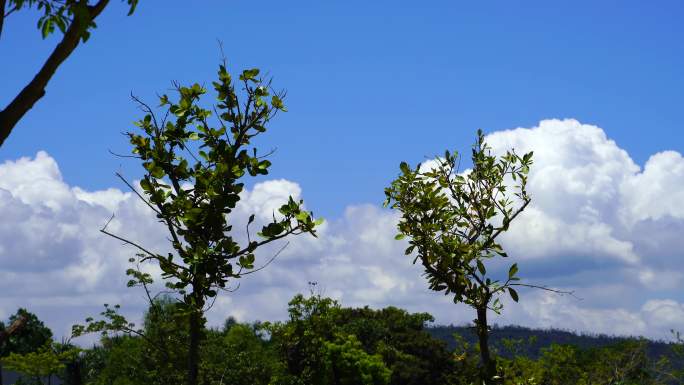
(370, 83)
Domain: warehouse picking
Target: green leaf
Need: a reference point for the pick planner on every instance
(46, 28)
(157, 172)
(272, 230)
(133, 4)
(404, 167)
(399, 236)
(513, 293)
(249, 74)
(481, 268)
(146, 185)
(512, 271)
(277, 103)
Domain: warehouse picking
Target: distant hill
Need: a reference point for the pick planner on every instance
(532, 341)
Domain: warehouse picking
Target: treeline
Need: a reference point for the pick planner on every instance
(323, 343)
(531, 342)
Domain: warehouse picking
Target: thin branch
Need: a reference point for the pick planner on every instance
(165, 219)
(557, 291)
(146, 338)
(137, 193)
(3, 15)
(11, 11)
(126, 241)
(269, 261)
(223, 54)
(249, 238)
(268, 240)
(223, 125)
(145, 108)
(501, 229)
(213, 301)
(150, 254)
(273, 150)
(123, 156)
(229, 290)
(144, 284)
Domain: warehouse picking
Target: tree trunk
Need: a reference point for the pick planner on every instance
(35, 89)
(488, 369)
(74, 373)
(195, 336)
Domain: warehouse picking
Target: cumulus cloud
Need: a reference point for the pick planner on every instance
(598, 224)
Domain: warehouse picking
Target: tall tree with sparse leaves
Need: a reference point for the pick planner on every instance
(453, 220)
(74, 19)
(195, 173)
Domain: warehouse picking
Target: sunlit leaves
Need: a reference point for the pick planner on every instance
(194, 160)
(512, 271)
(48, 360)
(62, 14)
(452, 219)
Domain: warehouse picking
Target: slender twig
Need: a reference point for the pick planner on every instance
(144, 284)
(501, 229)
(213, 301)
(137, 246)
(137, 193)
(146, 108)
(126, 241)
(273, 150)
(223, 54)
(249, 238)
(265, 241)
(3, 15)
(229, 290)
(123, 156)
(269, 261)
(11, 11)
(557, 291)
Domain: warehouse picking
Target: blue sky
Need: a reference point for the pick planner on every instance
(369, 83)
(597, 87)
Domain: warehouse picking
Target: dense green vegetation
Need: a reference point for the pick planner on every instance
(530, 342)
(453, 219)
(324, 343)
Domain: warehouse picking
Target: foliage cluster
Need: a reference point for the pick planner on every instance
(323, 343)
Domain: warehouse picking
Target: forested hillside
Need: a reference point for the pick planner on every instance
(325, 343)
(512, 340)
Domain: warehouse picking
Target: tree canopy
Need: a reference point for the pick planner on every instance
(195, 170)
(453, 220)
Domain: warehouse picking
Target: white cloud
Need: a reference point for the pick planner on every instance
(657, 192)
(598, 225)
